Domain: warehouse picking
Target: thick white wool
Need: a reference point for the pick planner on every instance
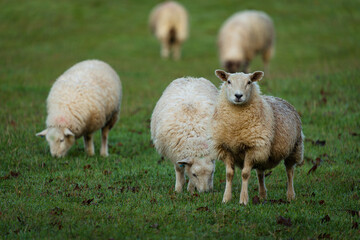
(180, 121)
(84, 98)
(244, 35)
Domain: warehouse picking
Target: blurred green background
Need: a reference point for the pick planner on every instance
(130, 193)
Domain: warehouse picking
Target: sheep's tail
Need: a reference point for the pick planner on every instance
(172, 36)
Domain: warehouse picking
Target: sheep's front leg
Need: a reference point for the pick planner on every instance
(89, 144)
(290, 183)
(245, 175)
(191, 187)
(262, 188)
(180, 178)
(230, 168)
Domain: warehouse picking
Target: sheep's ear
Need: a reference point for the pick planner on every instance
(68, 133)
(222, 75)
(42, 133)
(256, 76)
(184, 162)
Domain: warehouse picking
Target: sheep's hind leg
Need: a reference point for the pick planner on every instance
(262, 188)
(229, 164)
(165, 49)
(290, 194)
(295, 158)
(105, 133)
(176, 51)
(266, 56)
(180, 178)
(89, 144)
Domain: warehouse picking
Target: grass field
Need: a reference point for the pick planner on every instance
(131, 194)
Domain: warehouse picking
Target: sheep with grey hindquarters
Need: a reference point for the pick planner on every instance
(82, 100)
(253, 131)
(180, 131)
(244, 35)
(169, 23)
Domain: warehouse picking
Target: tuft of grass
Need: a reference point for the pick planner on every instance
(131, 194)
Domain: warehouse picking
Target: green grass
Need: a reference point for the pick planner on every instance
(131, 194)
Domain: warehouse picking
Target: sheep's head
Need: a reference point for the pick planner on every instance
(60, 140)
(200, 171)
(239, 86)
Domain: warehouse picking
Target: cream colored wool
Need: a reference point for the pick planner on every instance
(82, 100)
(180, 130)
(244, 35)
(169, 23)
(253, 131)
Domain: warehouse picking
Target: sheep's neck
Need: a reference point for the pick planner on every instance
(245, 115)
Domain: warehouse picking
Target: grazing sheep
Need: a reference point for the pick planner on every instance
(169, 23)
(251, 130)
(180, 131)
(244, 35)
(82, 100)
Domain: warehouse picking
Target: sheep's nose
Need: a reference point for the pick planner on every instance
(238, 96)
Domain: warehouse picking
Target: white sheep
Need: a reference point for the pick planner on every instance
(169, 23)
(253, 131)
(82, 100)
(244, 35)
(180, 131)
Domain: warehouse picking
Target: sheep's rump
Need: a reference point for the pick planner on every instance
(169, 22)
(244, 34)
(180, 121)
(88, 93)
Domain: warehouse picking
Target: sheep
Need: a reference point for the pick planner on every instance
(244, 35)
(169, 23)
(254, 131)
(82, 100)
(180, 131)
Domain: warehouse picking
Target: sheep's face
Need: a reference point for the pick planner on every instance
(60, 140)
(200, 172)
(239, 86)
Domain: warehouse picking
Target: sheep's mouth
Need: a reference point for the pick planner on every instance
(238, 101)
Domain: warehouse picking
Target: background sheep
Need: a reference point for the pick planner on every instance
(244, 35)
(254, 131)
(169, 23)
(82, 100)
(179, 130)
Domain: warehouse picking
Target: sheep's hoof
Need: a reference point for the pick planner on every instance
(226, 199)
(90, 154)
(244, 199)
(104, 154)
(262, 195)
(290, 196)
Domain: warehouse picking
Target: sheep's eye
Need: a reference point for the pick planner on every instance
(229, 82)
(61, 140)
(194, 175)
(249, 82)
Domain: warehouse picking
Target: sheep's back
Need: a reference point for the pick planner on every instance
(287, 127)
